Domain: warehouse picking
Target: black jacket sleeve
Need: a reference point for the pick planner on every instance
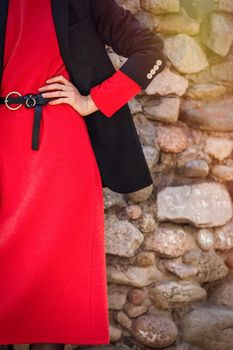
(120, 29)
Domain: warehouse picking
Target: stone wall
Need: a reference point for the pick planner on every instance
(170, 246)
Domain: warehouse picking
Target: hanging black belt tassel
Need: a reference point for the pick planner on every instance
(29, 101)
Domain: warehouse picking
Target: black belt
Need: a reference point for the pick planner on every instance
(29, 101)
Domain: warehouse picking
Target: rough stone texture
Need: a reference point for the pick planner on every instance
(146, 19)
(185, 53)
(134, 310)
(193, 152)
(145, 127)
(135, 106)
(133, 275)
(205, 239)
(218, 148)
(123, 320)
(178, 23)
(151, 154)
(181, 270)
(167, 82)
(137, 296)
(223, 71)
(181, 274)
(217, 116)
(198, 9)
(222, 173)
(133, 211)
(173, 294)
(205, 91)
(226, 5)
(164, 109)
(194, 168)
(112, 199)
(211, 267)
(221, 293)
(229, 261)
(117, 296)
(148, 223)
(144, 259)
(171, 139)
(115, 333)
(169, 241)
(224, 236)
(122, 238)
(203, 205)
(133, 5)
(141, 195)
(214, 29)
(209, 327)
(156, 332)
(188, 108)
(160, 6)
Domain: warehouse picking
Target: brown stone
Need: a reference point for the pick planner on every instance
(123, 319)
(171, 294)
(134, 310)
(133, 211)
(229, 261)
(156, 332)
(213, 116)
(203, 204)
(137, 296)
(222, 293)
(171, 139)
(224, 236)
(179, 269)
(209, 327)
(168, 240)
(144, 259)
(148, 223)
(211, 266)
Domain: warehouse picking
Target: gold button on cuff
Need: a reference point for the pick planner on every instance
(159, 62)
(156, 67)
(149, 75)
(153, 71)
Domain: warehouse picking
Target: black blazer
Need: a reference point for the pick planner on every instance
(83, 29)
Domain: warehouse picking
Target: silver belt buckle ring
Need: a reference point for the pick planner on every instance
(30, 101)
(6, 100)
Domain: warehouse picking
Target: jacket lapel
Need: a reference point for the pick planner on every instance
(3, 18)
(60, 13)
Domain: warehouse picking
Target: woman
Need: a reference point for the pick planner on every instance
(52, 254)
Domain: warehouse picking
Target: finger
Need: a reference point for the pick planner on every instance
(59, 79)
(55, 94)
(55, 86)
(58, 101)
(52, 86)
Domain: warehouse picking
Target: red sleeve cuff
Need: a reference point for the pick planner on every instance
(114, 92)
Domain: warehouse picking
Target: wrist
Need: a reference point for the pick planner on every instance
(91, 106)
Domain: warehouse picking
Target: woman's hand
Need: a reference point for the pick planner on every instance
(63, 91)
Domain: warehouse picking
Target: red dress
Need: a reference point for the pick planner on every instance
(52, 245)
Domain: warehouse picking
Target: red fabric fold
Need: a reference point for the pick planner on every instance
(114, 92)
